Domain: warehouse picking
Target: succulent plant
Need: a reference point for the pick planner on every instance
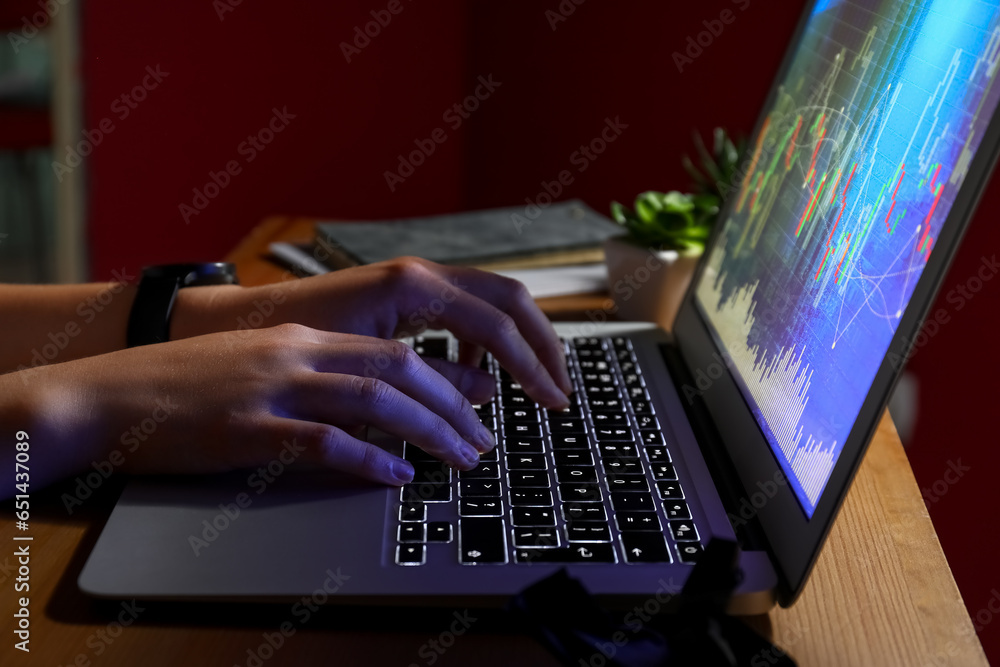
(684, 221)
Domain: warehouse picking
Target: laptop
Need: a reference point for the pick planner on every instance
(747, 422)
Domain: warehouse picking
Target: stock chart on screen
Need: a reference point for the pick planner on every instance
(845, 189)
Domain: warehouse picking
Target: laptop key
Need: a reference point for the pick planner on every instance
(657, 454)
(684, 531)
(523, 446)
(412, 511)
(425, 492)
(574, 458)
(410, 554)
(528, 478)
(607, 419)
(573, 474)
(589, 493)
(584, 512)
(533, 516)
(480, 507)
(567, 426)
(632, 522)
(614, 434)
(583, 553)
(526, 462)
(588, 531)
(628, 483)
(412, 532)
(481, 540)
(652, 438)
(622, 466)
(485, 469)
(562, 441)
(648, 422)
(689, 552)
(617, 450)
(531, 498)
(414, 454)
(527, 415)
(479, 487)
(645, 548)
(434, 348)
(631, 501)
(677, 509)
(670, 490)
(663, 472)
(521, 429)
(439, 531)
(534, 537)
(613, 404)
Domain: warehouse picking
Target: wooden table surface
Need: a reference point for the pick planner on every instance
(881, 593)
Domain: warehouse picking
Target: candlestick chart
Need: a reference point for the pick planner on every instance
(846, 185)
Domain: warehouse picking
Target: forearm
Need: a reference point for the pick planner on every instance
(45, 324)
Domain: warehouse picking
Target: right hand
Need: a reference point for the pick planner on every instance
(230, 400)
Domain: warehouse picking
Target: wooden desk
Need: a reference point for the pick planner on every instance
(881, 593)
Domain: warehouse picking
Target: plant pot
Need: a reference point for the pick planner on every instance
(647, 285)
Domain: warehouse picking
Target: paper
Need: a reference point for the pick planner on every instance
(561, 280)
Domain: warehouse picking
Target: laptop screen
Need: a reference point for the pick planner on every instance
(845, 188)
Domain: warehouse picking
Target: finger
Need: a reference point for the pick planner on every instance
(514, 299)
(476, 385)
(330, 446)
(336, 398)
(397, 364)
(470, 354)
(474, 320)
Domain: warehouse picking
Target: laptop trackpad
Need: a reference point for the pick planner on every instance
(245, 534)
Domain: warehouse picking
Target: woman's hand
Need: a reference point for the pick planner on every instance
(395, 299)
(236, 399)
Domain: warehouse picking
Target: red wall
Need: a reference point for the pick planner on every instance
(557, 87)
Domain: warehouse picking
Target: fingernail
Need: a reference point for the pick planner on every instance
(402, 471)
(469, 454)
(478, 386)
(486, 439)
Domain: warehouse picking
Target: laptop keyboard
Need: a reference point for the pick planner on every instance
(592, 483)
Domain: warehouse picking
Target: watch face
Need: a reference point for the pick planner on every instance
(194, 274)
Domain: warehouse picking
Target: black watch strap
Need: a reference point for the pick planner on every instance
(149, 319)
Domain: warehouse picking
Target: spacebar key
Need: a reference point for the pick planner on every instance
(481, 540)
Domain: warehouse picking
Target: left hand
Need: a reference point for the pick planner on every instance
(394, 299)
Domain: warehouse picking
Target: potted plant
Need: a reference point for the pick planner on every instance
(651, 264)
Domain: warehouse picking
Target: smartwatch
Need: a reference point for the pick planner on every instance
(149, 319)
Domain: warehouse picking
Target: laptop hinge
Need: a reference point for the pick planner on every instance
(720, 466)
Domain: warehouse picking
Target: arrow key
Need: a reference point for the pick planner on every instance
(645, 548)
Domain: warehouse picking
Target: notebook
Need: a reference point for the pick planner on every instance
(747, 423)
(534, 235)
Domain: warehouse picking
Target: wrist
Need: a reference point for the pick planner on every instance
(207, 309)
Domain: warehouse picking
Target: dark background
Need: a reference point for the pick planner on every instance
(557, 87)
